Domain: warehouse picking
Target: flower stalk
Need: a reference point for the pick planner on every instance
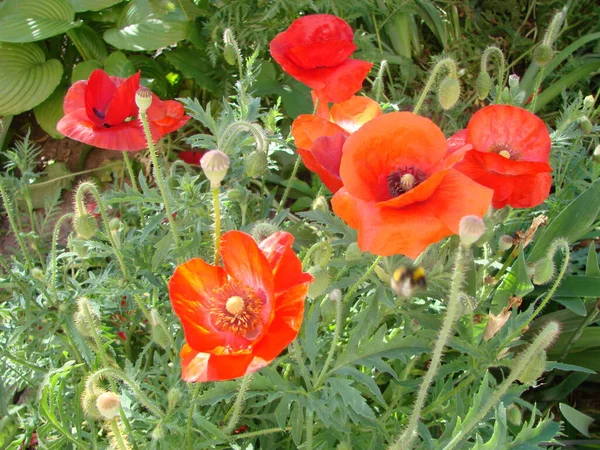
(447, 64)
(240, 400)
(134, 185)
(53, 263)
(14, 224)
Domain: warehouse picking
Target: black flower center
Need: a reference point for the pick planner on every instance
(403, 179)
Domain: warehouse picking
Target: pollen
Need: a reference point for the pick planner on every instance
(236, 309)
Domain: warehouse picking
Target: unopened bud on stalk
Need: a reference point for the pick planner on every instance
(173, 397)
(108, 404)
(586, 125)
(86, 317)
(534, 369)
(256, 164)
(114, 224)
(143, 98)
(483, 86)
(38, 274)
(513, 81)
(543, 54)
(596, 154)
(544, 270)
(352, 252)
(448, 92)
(262, 230)
(320, 283)
(215, 165)
(505, 242)
(230, 52)
(85, 225)
(514, 415)
(158, 329)
(470, 229)
(335, 295)
(588, 101)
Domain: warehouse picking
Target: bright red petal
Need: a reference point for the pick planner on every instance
(327, 154)
(99, 92)
(75, 98)
(457, 140)
(123, 105)
(173, 119)
(337, 84)
(191, 157)
(321, 54)
(198, 366)
(333, 182)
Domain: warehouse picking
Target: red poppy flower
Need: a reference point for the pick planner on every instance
(320, 141)
(237, 319)
(316, 50)
(399, 192)
(192, 157)
(510, 151)
(102, 112)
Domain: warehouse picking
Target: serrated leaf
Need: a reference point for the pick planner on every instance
(580, 421)
(515, 282)
(117, 65)
(571, 223)
(141, 29)
(89, 44)
(31, 20)
(530, 437)
(92, 5)
(83, 70)
(26, 78)
(364, 379)
(50, 111)
(499, 436)
(162, 250)
(192, 63)
(351, 398)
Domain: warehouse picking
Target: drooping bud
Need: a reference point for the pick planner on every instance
(470, 229)
(483, 86)
(543, 270)
(85, 225)
(586, 125)
(353, 252)
(543, 54)
(88, 401)
(505, 243)
(108, 404)
(215, 165)
(534, 369)
(86, 317)
(256, 164)
(143, 98)
(514, 415)
(448, 92)
(320, 283)
(262, 230)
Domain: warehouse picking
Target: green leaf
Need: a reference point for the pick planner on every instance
(551, 365)
(566, 386)
(162, 250)
(591, 265)
(26, 78)
(296, 99)
(32, 20)
(117, 65)
(572, 223)
(39, 194)
(580, 421)
(141, 29)
(92, 5)
(83, 70)
(351, 398)
(578, 286)
(575, 304)
(499, 436)
(515, 282)
(530, 437)
(89, 43)
(192, 63)
(50, 111)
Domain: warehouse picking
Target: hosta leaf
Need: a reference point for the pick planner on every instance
(83, 70)
(26, 78)
(50, 111)
(192, 63)
(118, 65)
(89, 43)
(92, 5)
(33, 20)
(140, 29)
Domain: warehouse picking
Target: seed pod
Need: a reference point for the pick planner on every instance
(470, 229)
(143, 98)
(505, 242)
(215, 165)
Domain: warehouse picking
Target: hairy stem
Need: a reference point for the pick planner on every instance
(14, 225)
(447, 64)
(217, 210)
(134, 185)
(238, 404)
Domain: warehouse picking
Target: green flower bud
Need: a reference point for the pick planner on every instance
(86, 325)
(544, 270)
(173, 397)
(321, 281)
(85, 225)
(596, 154)
(588, 101)
(114, 224)
(586, 125)
(483, 85)
(543, 54)
(143, 98)
(230, 55)
(88, 402)
(353, 252)
(236, 194)
(158, 329)
(256, 164)
(215, 165)
(38, 274)
(470, 229)
(514, 415)
(535, 368)
(448, 92)
(513, 81)
(262, 230)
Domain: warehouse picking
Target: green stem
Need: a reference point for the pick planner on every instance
(589, 319)
(310, 423)
(501, 66)
(315, 247)
(159, 178)
(117, 434)
(88, 186)
(296, 352)
(254, 434)
(13, 223)
(446, 63)
(406, 440)
(396, 397)
(53, 263)
(217, 209)
(134, 185)
(289, 185)
(238, 405)
(188, 434)
(536, 88)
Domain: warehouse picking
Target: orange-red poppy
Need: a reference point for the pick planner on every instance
(102, 112)
(399, 192)
(320, 138)
(509, 153)
(316, 50)
(238, 318)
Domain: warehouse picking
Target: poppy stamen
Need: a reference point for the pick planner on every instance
(504, 150)
(236, 308)
(403, 179)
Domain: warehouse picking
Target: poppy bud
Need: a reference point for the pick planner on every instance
(215, 165)
(505, 242)
(158, 329)
(470, 229)
(543, 270)
(158, 433)
(108, 404)
(173, 397)
(38, 274)
(513, 414)
(588, 101)
(586, 125)
(84, 324)
(534, 369)
(513, 81)
(88, 401)
(543, 54)
(256, 164)
(352, 252)
(344, 446)
(85, 225)
(230, 52)
(320, 204)
(483, 85)
(262, 230)
(596, 154)
(320, 283)
(448, 92)
(143, 98)
(114, 224)
(335, 295)
(235, 195)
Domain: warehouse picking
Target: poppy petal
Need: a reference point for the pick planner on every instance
(173, 119)
(347, 207)
(191, 157)
(333, 182)
(382, 145)
(322, 107)
(122, 105)
(516, 127)
(307, 128)
(337, 84)
(321, 54)
(198, 366)
(354, 113)
(99, 92)
(75, 97)
(457, 140)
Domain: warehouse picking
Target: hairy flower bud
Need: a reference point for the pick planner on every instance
(86, 317)
(230, 52)
(38, 274)
(448, 92)
(320, 204)
(543, 54)
(544, 270)
(534, 369)
(215, 165)
(262, 230)
(586, 125)
(483, 86)
(256, 164)
(108, 404)
(158, 329)
(114, 224)
(470, 229)
(353, 252)
(588, 101)
(514, 415)
(335, 295)
(85, 225)
(320, 283)
(143, 98)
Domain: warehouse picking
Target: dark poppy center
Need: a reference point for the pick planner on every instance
(503, 149)
(235, 308)
(403, 179)
(99, 114)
